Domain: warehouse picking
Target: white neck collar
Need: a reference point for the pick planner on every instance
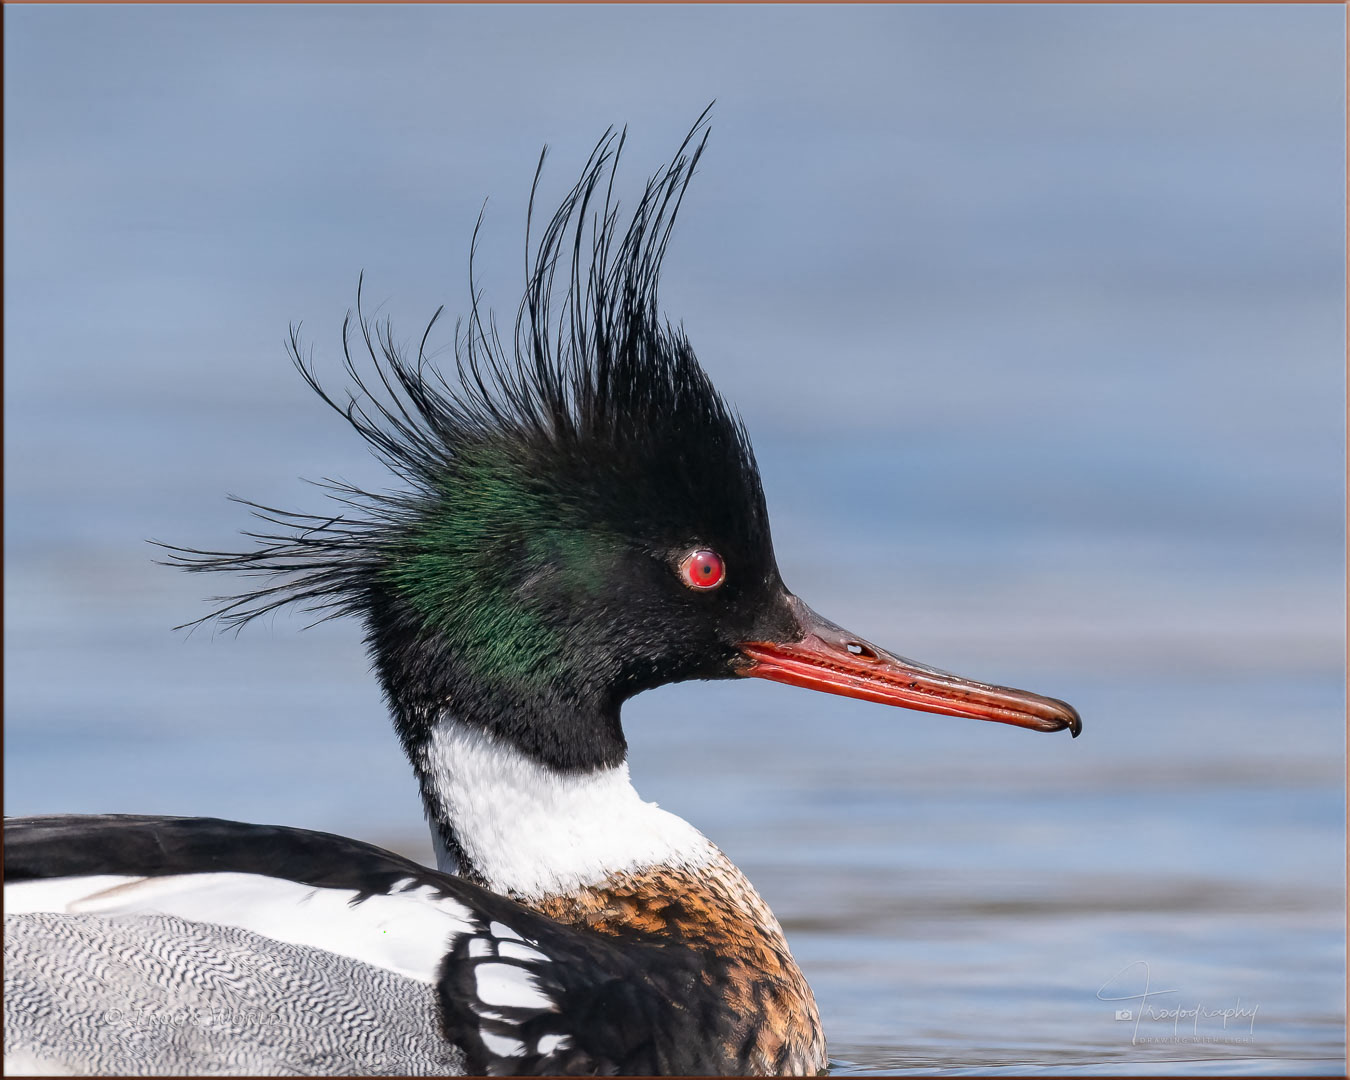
(531, 831)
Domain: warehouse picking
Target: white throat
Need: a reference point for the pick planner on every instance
(533, 832)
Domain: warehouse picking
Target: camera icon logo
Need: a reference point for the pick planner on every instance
(1124, 1014)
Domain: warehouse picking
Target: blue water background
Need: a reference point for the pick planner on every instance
(1036, 317)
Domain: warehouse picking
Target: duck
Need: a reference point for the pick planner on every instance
(578, 517)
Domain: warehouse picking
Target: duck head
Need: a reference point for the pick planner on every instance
(581, 516)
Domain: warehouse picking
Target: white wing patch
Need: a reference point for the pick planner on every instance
(516, 951)
(54, 894)
(509, 986)
(502, 1046)
(549, 1043)
(407, 931)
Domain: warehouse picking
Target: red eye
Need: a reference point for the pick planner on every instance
(703, 569)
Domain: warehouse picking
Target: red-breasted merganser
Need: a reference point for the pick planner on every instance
(581, 519)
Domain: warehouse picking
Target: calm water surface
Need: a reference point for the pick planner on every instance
(1036, 316)
(959, 894)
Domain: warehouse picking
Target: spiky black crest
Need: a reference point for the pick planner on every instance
(536, 480)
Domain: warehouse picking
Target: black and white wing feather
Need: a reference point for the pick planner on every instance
(292, 885)
(528, 997)
(189, 916)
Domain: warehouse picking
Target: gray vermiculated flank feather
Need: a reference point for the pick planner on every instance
(148, 995)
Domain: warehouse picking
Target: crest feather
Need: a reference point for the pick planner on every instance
(592, 373)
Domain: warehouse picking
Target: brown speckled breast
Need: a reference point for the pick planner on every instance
(775, 1026)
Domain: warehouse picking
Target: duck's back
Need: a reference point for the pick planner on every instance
(150, 994)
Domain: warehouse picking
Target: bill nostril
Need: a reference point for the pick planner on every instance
(860, 650)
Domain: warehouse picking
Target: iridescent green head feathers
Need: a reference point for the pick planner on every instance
(550, 488)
